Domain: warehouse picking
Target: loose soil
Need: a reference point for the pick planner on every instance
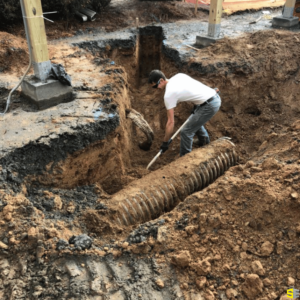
(236, 239)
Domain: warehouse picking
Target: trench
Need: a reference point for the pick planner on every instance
(74, 176)
(93, 179)
(113, 160)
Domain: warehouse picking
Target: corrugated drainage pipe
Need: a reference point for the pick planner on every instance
(160, 191)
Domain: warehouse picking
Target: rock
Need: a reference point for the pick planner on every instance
(201, 282)
(32, 236)
(71, 208)
(244, 246)
(203, 218)
(57, 203)
(296, 125)
(250, 164)
(294, 195)
(209, 295)
(125, 245)
(257, 268)
(194, 296)
(51, 232)
(7, 209)
(243, 255)
(62, 244)
(4, 267)
(234, 282)
(191, 229)
(272, 296)
(3, 246)
(270, 163)
(72, 268)
(290, 281)
(252, 286)
(267, 282)
(231, 293)
(160, 283)
(236, 249)
(81, 242)
(217, 257)
(8, 217)
(279, 248)
(162, 234)
(185, 286)
(182, 259)
(202, 267)
(266, 248)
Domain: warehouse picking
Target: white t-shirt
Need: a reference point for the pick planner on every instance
(181, 88)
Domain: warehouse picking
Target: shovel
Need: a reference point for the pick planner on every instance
(171, 139)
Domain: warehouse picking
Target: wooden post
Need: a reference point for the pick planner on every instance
(36, 37)
(289, 8)
(215, 14)
(196, 7)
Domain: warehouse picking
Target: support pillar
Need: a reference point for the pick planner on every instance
(39, 89)
(214, 24)
(36, 37)
(287, 19)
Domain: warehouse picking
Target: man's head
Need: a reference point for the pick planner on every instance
(157, 79)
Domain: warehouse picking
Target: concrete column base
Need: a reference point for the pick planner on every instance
(46, 94)
(281, 21)
(205, 41)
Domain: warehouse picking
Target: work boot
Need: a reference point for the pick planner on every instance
(200, 143)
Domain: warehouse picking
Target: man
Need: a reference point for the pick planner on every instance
(183, 88)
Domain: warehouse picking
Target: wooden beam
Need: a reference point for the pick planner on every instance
(196, 7)
(36, 30)
(289, 8)
(215, 14)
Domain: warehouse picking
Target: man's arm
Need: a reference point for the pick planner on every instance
(169, 125)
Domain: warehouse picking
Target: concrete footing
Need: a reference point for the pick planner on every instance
(46, 94)
(205, 41)
(281, 21)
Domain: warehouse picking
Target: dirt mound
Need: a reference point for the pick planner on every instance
(13, 53)
(239, 237)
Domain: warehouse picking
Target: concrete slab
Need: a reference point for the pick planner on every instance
(281, 21)
(46, 94)
(205, 41)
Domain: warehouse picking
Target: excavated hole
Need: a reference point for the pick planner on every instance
(108, 169)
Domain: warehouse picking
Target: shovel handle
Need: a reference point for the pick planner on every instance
(171, 139)
(154, 159)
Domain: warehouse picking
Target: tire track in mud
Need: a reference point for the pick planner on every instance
(93, 278)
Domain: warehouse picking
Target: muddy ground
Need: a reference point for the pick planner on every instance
(61, 168)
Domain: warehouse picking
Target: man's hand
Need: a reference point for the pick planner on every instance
(194, 109)
(165, 146)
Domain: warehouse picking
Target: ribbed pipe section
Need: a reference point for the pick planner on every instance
(160, 191)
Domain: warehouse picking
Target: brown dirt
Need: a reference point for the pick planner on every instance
(239, 236)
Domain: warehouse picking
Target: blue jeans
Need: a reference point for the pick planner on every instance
(196, 125)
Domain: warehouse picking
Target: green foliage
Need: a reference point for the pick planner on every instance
(11, 10)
